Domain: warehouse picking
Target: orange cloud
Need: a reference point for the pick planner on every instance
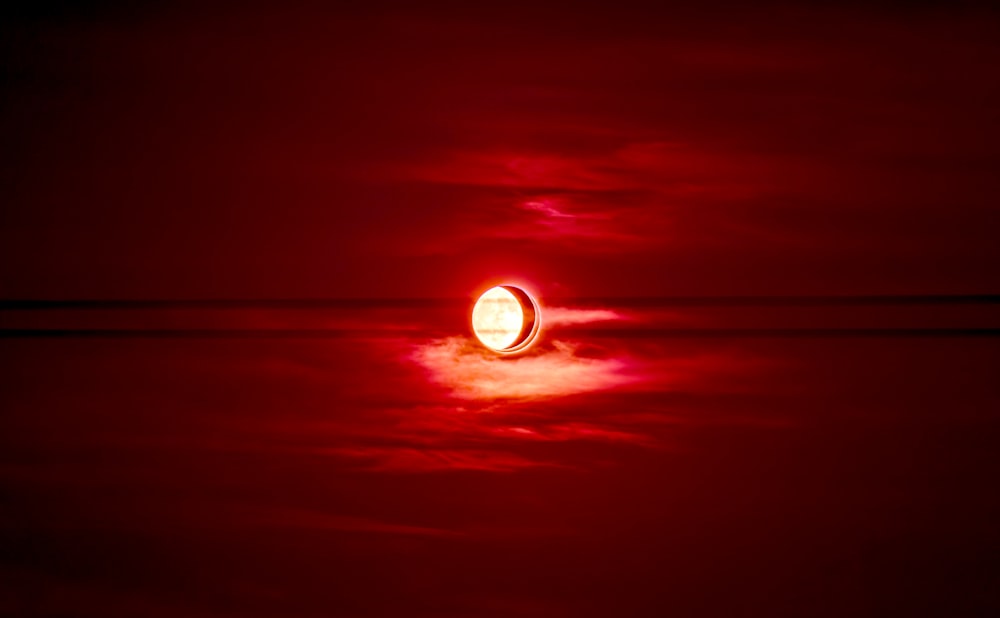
(474, 373)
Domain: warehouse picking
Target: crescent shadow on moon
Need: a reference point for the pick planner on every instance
(532, 319)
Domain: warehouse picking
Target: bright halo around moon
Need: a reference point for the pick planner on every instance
(506, 319)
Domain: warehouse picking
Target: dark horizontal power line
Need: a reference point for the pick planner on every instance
(650, 333)
(391, 303)
(794, 301)
(229, 303)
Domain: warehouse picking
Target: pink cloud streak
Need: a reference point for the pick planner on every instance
(564, 316)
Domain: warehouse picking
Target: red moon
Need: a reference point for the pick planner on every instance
(505, 319)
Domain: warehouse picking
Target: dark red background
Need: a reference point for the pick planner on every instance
(786, 170)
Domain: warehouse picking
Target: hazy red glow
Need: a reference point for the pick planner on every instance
(694, 433)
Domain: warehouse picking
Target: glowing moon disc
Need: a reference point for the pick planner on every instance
(505, 319)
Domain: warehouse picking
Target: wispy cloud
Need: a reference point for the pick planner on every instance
(564, 432)
(412, 459)
(674, 169)
(546, 207)
(565, 316)
(626, 194)
(473, 373)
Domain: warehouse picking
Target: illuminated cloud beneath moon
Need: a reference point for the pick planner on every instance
(472, 372)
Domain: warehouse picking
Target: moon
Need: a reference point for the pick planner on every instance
(506, 319)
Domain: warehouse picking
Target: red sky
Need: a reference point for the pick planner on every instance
(178, 151)
(764, 241)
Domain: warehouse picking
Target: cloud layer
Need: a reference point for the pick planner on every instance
(564, 316)
(471, 372)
